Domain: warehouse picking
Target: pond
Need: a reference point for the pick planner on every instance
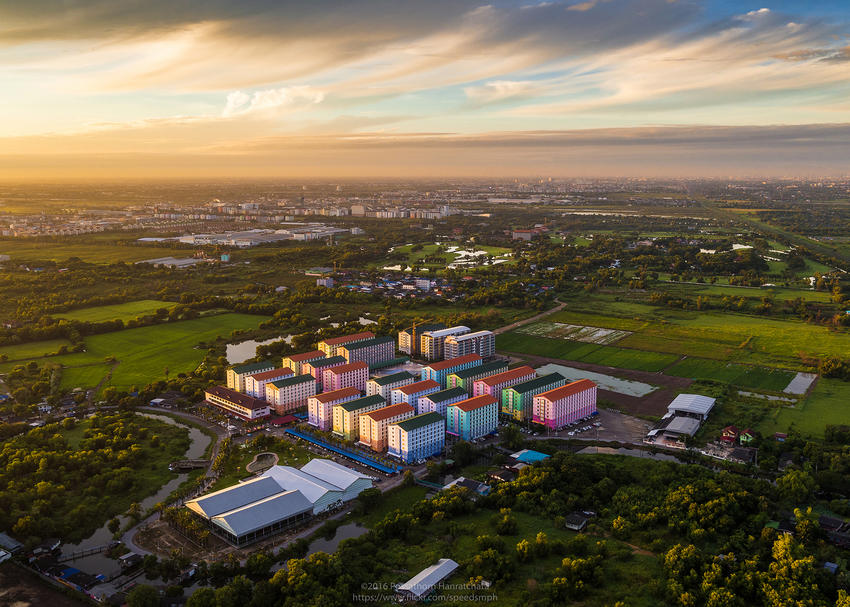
(237, 353)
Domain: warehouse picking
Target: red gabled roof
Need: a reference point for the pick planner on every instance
(476, 402)
(306, 356)
(509, 375)
(243, 400)
(335, 341)
(418, 387)
(282, 372)
(349, 367)
(326, 397)
(391, 411)
(568, 390)
(454, 362)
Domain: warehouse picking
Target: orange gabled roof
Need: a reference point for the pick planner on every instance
(306, 356)
(418, 386)
(453, 362)
(568, 390)
(335, 341)
(349, 367)
(510, 375)
(476, 402)
(388, 412)
(283, 371)
(326, 397)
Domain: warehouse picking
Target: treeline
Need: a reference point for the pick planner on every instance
(708, 532)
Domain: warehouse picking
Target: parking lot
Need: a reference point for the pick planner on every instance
(613, 426)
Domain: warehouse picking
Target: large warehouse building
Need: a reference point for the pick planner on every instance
(279, 499)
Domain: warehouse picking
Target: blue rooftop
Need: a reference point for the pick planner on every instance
(527, 456)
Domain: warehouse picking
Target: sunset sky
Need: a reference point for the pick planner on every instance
(340, 88)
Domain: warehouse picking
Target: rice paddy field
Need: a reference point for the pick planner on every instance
(745, 376)
(33, 349)
(827, 404)
(610, 356)
(123, 311)
(715, 335)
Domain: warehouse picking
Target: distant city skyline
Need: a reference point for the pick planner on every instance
(437, 88)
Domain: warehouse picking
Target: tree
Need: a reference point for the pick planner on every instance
(511, 437)
(114, 525)
(796, 485)
(143, 596)
(202, 597)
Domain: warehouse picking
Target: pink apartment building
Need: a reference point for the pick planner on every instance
(562, 406)
(320, 406)
(352, 375)
(255, 385)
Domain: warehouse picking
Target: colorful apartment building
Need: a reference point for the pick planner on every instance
(255, 385)
(482, 343)
(564, 405)
(439, 371)
(410, 339)
(438, 401)
(473, 418)
(518, 400)
(317, 367)
(374, 425)
(320, 406)
(386, 384)
(432, 343)
(352, 375)
(417, 437)
(291, 393)
(237, 374)
(373, 351)
(494, 384)
(295, 361)
(236, 403)
(346, 416)
(411, 392)
(331, 346)
(466, 378)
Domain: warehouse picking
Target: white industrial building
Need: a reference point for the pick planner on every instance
(277, 500)
(683, 419)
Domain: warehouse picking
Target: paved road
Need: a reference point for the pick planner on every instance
(520, 323)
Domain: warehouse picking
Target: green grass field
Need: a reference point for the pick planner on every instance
(33, 349)
(827, 404)
(611, 356)
(124, 311)
(22, 250)
(144, 353)
(745, 376)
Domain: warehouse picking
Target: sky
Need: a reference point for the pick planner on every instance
(112, 89)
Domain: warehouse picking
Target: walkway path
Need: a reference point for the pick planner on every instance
(520, 323)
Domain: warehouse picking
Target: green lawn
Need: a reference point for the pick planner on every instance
(289, 454)
(611, 356)
(400, 498)
(745, 376)
(33, 349)
(828, 403)
(124, 311)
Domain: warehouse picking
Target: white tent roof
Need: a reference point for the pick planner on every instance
(425, 580)
(233, 497)
(332, 472)
(311, 486)
(264, 512)
(692, 403)
(683, 425)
